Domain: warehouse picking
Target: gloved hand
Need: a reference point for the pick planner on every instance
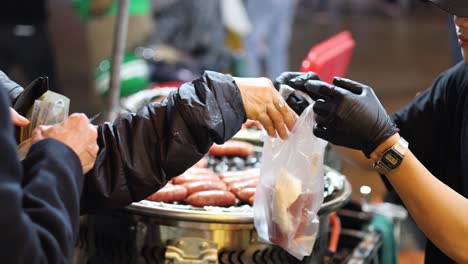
(349, 114)
(295, 80)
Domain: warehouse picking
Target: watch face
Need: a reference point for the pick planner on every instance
(391, 159)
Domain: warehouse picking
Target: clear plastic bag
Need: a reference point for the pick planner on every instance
(290, 191)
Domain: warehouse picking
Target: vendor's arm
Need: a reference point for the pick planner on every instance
(439, 211)
(350, 115)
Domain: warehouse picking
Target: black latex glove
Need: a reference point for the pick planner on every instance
(295, 80)
(349, 114)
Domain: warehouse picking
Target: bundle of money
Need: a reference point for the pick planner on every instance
(49, 109)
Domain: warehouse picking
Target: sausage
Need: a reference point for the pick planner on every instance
(300, 209)
(240, 178)
(203, 163)
(232, 148)
(169, 194)
(251, 200)
(199, 171)
(193, 187)
(237, 186)
(245, 194)
(234, 174)
(211, 198)
(187, 177)
(302, 220)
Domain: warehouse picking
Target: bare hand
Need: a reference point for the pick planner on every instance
(76, 133)
(263, 103)
(18, 119)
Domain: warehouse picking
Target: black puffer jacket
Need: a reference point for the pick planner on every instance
(140, 152)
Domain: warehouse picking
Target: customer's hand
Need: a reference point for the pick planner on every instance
(349, 114)
(76, 133)
(263, 103)
(296, 80)
(18, 119)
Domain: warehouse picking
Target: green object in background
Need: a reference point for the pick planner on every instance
(136, 7)
(385, 227)
(134, 75)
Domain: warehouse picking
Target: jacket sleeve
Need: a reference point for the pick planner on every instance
(10, 87)
(140, 152)
(39, 199)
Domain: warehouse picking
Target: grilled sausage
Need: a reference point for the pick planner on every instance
(211, 198)
(237, 186)
(188, 177)
(198, 186)
(240, 178)
(245, 194)
(232, 148)
(169, 194)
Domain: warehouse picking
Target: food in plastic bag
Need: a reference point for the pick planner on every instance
(290, 189)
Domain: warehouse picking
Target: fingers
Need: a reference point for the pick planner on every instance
(36, 135)
(18, 119)
(267, 124)
(89, 158)
(295, 79)
(300, 80)
(289, 117)
(320, 90)
(320, 132)
(278, 123)
(284, 78)
(349, 85)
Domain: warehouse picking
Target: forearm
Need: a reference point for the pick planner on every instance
(439, 211)
(140, 152)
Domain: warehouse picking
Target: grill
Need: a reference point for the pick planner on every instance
(152, 232)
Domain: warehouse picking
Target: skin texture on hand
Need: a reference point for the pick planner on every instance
(263, 102)
(76, 133)
(17, 119)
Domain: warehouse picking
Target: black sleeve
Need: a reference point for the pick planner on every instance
(39, 199)
(140, 152)
(10, 87)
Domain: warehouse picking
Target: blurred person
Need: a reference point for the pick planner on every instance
(39, 196)
(140, 152)
(25, 47)
(430, 175)
(268, 41)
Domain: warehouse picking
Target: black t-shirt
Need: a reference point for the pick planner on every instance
(435, 124)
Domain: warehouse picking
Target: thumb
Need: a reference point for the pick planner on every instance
(18, 119)
(349, 85)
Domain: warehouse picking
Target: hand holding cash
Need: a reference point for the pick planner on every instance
(49, 109)
(75, 132)
(48, 118)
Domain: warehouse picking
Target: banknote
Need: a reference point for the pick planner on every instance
(49, 109)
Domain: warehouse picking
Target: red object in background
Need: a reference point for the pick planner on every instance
(331, 57)
(335, 232)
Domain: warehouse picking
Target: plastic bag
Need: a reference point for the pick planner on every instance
(290, 191)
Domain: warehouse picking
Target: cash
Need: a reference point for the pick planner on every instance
(49, 109)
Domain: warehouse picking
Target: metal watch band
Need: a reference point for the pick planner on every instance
(396, 153)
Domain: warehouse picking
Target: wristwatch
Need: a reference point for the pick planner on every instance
(391, 158)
